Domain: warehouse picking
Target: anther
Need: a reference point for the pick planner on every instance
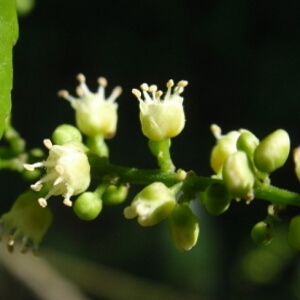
(102, 81)
(81, 78)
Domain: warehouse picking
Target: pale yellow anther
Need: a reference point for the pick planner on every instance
(102, 81)
(152, 88)
(42, 202)
(216, 130)
(144, 87)
(63, 94)
(67, 202)
(36, 187)
(28, 167)
(59, 169)
(81, 78)
(136, 93)
(79, 91)
(47, 143)
(117, 91)
(158, 94)
(170, 83)
(182, 83)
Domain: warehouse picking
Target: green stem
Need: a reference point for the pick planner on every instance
(277, 195)
(161, 150)
(97, 145)
(101, 168)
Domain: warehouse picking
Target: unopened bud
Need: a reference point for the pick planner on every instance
(237, 175)
(272, 152)
(183, 227)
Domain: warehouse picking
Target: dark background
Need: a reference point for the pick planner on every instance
(242, 61)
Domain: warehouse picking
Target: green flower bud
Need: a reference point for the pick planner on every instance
(161, 119)
(67, 171)
(262, 233)
(183, 227)
(95, 115)
(26, 221)
(296, 155)
(247, 142)
(226, 145)
(238, 176)
(294, 233)
(115, 194)
(66, 133)
(87, 206)
(217, 199)
(272, 152)
(153, 204)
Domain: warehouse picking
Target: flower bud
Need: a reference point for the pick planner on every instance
(247, 142)
(262, 233)
(66, 133)
(67, 171)
(153, 204)
(95, 115)
(26, 221)
(237, 175)
(296, 155)
(183, 227)
(87, 206)
(115, 194)
(294, 233)
(161, 119)
(217, 199)
(226, 145)
(272, 152)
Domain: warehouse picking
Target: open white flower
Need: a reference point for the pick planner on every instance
(67, 171)
(95, 115)
(161, 118)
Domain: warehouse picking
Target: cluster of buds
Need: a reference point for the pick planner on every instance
(242, 161)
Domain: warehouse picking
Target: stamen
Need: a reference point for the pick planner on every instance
(67, 202)
(58, 181)
(216, 131)
(182, 83)
(117, 91)
(47, 143)
(144, 87)
(59, 169)
(36, 187)
(152, 88)
(63, 94)
(81, 78)
(42, 202)
(31, 167)
(102, 81)
(158, 94)
(79, 91)
(136, 93)
(170, 83)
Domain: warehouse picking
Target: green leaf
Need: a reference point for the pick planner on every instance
(8, 37)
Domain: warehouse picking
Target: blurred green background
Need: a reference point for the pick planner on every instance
(242, 61)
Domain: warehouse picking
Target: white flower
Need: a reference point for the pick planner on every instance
(161, 119)
(95, 115)
(67, 171)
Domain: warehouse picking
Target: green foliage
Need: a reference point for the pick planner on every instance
(8, 37)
